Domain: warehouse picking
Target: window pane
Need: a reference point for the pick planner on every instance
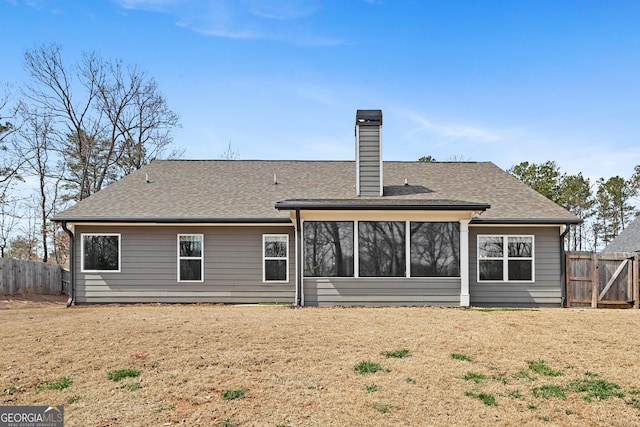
(190, 246)
(275, 246)
(101, 253)
(275, 270)
(190, 269)
(490, 246)
(328, 249)
(520, 247)
(381, 249)
(491, 270)
(435, 249)
(520, 270)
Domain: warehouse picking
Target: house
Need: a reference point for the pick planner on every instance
(628, 240)
(363, 232)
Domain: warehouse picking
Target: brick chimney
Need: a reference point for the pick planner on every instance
(369, 153)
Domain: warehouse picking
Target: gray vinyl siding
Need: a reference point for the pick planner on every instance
(349, 291)
(369, 160)
(545, 291)
(232, 267)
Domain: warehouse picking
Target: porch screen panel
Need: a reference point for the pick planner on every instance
(328, 249)
(435, 249)
(381, 249)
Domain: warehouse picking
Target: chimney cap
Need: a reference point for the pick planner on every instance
(369, 117)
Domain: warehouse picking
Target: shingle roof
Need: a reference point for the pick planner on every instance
(244, 190)
(628, 240)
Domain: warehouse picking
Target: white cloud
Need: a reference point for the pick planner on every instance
(423, 124)
(282, 20)
(283, 9)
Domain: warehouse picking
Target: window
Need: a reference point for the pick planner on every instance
(381, 249)
(275, 250)
(328, 249)
(435, 249)
(505, 258)
(101, 252)
(190, 258)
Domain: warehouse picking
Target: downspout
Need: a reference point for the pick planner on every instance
(72, 263)
(563, 268)
(298, 260)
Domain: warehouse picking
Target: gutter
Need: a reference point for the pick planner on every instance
(72, 263)
(525, 221)
(386, 206)
(299, 265)
(563, 269)
(176, 220)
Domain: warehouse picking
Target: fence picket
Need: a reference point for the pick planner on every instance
(601, 280)
(22, 276)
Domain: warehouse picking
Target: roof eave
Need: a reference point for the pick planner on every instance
(526, 221)
(175, 220)
(303, 205)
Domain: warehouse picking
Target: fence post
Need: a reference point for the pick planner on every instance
(594, 281)
(567, 282)
(636, 283)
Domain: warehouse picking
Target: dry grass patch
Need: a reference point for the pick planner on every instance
(296, 367)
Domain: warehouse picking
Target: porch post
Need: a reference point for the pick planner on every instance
(465, 298)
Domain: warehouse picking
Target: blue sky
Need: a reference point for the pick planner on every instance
(495, 80)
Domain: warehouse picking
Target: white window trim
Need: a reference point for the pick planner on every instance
(82, 236)
(201, 258)
(505, 258)
(265, 258)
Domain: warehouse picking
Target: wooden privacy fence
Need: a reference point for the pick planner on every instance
(602, 280)
(22, 277)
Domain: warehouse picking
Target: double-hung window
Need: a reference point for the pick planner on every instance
(275, 255)
(505, 258)
(100, 252)
(190, 258)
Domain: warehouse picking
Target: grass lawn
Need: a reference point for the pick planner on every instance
(160, 365)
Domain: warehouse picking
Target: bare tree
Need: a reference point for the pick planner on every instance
(8, 221)
(230, 153)
(9, 163)
(146, 121)
(109, 119)
(35, 146)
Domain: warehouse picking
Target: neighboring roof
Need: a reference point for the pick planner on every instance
(628, 240)
(244, 191)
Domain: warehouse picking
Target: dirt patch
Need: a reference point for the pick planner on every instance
(31, 301)
(296, 366)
